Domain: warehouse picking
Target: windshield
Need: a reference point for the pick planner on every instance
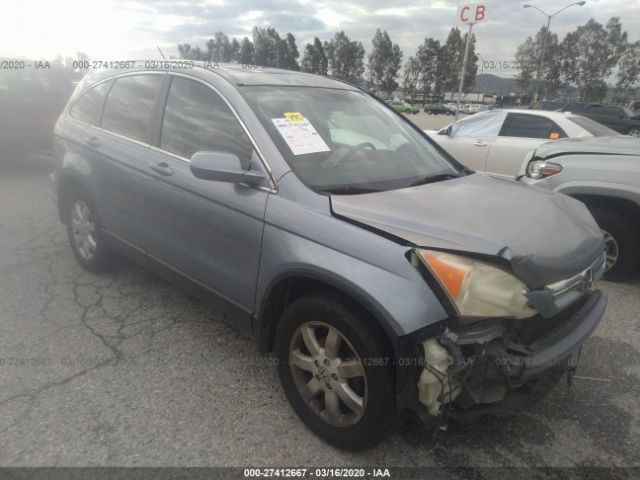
(594, 128)
(344, 141)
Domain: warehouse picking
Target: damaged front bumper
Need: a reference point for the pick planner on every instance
(498, 366)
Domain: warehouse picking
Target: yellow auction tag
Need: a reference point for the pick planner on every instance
(294, 116)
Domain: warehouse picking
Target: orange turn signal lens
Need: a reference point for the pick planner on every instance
(451, 276)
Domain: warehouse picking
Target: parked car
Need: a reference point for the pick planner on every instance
(497, 141)
(604, 173)
(620, 119)
(31, 100)
(403, 107)
(472, 108)
(438, 108)
(550, 106)
(634, 106)
(385, 276)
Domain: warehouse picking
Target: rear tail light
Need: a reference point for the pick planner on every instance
(542, 169)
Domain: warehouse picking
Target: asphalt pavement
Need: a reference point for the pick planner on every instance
(123, 369)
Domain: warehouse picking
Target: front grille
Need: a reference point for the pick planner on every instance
(583, 281)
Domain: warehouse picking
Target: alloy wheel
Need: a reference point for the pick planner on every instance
(328, 374)
(611, 249)
(84, 230)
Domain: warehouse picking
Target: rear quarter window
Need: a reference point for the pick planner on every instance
(614, 112)
(87, 108)
(594, 128)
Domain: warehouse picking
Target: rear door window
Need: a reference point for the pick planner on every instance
(595, 109)
(531, 126)
(197, 119)
(87, 108)
(131, 105)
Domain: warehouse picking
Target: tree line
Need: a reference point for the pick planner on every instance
(584, 60)
(433, 70)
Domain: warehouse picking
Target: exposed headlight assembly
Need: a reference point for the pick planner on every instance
(478, 289)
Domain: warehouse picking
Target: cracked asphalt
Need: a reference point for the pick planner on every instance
(123, 369)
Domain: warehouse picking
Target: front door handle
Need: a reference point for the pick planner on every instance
(480, 143)
(161, 167)
(92, 142)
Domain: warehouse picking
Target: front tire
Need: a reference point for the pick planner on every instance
(84, 230)
(336, 373)
(622, 242)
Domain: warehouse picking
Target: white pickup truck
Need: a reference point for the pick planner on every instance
(604, 173)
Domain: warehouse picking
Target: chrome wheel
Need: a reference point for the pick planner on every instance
(328, 374)
(634, 133)
(83, 229)
(611, 250)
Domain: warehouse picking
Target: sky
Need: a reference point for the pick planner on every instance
(129, 29)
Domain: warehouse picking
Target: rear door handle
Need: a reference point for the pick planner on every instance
(92, 142)
(161, 167)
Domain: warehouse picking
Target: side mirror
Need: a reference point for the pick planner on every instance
(446, 131)
(224, 167)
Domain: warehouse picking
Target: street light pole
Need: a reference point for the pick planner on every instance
(464, 64)
(481, 63)
(539, 72)
(544, 42)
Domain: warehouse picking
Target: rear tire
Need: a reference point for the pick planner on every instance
(84, 229)
(623, 242)
(311, 388)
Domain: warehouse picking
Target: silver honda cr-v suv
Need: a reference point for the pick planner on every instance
(385, 275)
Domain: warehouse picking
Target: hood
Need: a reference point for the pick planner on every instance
(545, 236)
(614, 145)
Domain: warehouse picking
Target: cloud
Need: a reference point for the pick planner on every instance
(117, 29)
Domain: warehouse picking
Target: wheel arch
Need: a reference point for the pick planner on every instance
(625, 206)
(287, 287)
(67, 184)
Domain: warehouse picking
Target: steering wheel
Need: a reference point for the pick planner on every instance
(356, 148)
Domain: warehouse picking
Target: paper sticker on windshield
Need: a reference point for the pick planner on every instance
(294, 116)
(299, 134)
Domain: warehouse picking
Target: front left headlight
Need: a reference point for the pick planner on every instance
(478, 289)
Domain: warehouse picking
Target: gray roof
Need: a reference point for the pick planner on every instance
(243, 75)
(614, 145)
(237, 74)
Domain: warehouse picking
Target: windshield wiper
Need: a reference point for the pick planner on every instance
(347, 190)
(434, 178)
